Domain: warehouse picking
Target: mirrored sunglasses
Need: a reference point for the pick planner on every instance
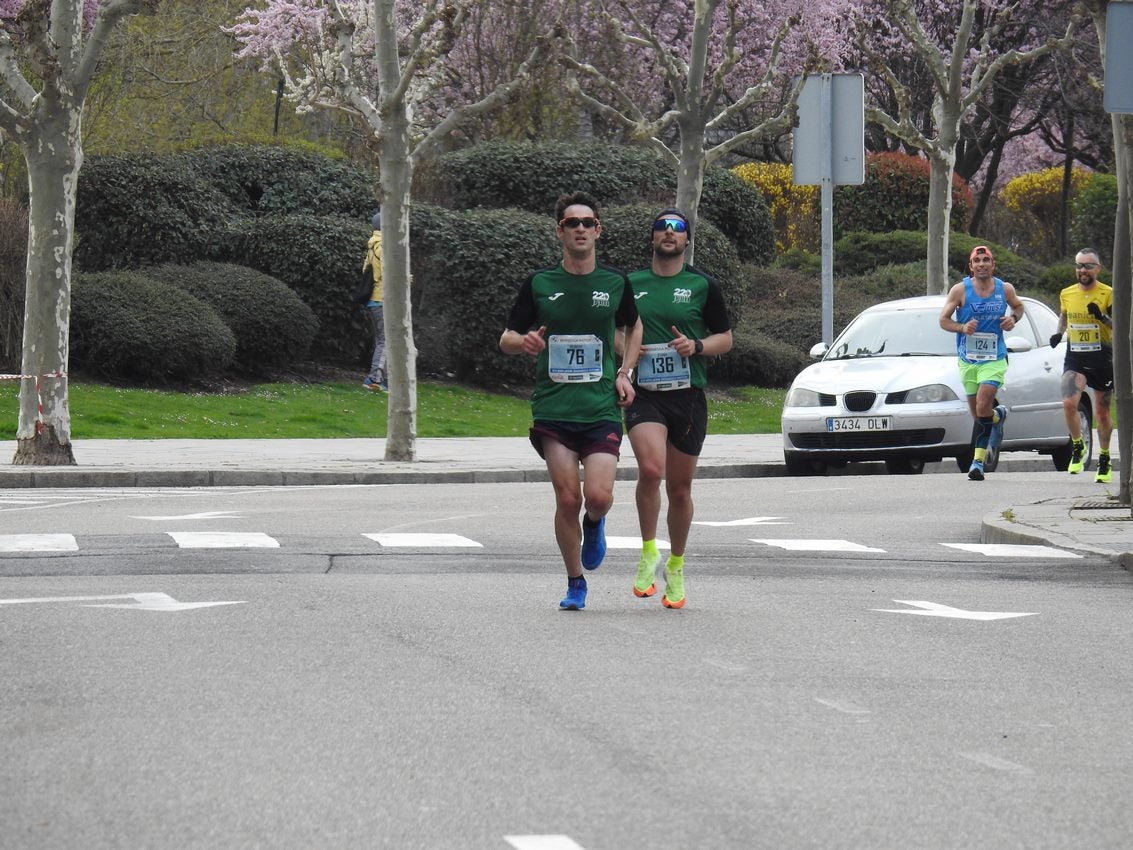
(1085, 265)
(574, 221)
(676, 225)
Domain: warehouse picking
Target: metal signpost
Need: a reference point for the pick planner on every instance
(829, 150)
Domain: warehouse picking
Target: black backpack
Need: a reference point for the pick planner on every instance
(364, 288)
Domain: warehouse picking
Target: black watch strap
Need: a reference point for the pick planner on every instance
(699, 346)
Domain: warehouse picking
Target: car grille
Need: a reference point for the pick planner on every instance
(860, 402)
(868, 440)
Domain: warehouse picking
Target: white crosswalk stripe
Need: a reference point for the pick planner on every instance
(38, 543)
(223, 540)
(423, 540)
(817, 545)
(1012, 550)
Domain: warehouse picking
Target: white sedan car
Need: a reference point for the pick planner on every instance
(888, 389)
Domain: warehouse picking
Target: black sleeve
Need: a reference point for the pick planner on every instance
(523, 313)
(626, 315)
(715, 311)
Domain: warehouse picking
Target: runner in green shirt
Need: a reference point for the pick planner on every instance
(566, 318)
(685, 322)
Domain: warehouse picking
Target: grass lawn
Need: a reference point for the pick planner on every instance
(314, 410)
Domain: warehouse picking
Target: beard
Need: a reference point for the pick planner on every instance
(669, 250)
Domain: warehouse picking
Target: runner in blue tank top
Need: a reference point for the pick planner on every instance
(976, 310)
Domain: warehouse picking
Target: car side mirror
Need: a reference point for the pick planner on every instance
(1018, 343)
(818, 350)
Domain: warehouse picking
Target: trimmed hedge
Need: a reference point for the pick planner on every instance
(139, 209)
(857, 253)
(895, 197)
(272, 325)
(505, 175)
(320, 257)
(127, 325)
(274, 180)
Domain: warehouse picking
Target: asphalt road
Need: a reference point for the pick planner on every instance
(843, 675)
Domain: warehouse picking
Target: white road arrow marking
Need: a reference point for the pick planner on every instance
(38, 543)
(541, 842)
(142, 602)
(205, 515)
(818, 545)
(751, 520)
(933, 609)
(1013, 550)
(422, 540)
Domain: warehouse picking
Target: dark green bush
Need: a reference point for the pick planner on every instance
(1056, 278)
(271, 324)
(758, 360)
(531, 177)
(320, 257)
(1092, 214)
(481, 264)
(274, 180)
(127, 325)
(138, 209)
(740, 212)
(894, 197)
(857, 253)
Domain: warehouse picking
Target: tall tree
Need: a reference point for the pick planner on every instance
(49, 50)
(961, 56)
(1122, 125)
(385, 61)
(712, 75)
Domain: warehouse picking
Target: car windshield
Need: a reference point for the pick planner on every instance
(894, 333)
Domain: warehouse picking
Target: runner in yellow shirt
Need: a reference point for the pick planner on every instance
(1086, 308)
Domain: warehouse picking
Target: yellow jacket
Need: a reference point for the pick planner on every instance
(374, 261)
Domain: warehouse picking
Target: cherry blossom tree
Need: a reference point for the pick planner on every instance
(710, 75)
(49, 51)
(957, 47)
(388, 62)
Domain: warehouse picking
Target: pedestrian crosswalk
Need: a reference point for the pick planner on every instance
(30, 543)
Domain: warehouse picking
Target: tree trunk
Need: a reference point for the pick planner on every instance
(690, 174)
(53, 158)
(396, 166)
(1123, 302)
(939, 215)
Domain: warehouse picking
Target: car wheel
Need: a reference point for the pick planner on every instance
(905, 466)
(964, 460)
(1061, 455)
(803, 466)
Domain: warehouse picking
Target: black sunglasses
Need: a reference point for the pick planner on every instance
(1085, 265)
(676, 225)
(575, 221)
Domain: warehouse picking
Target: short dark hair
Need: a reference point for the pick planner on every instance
(583, 198)
(1088, 250)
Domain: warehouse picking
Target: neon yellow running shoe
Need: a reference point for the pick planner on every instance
(1105, 469)
(674, 588)
(1077, 457)
(646, 582)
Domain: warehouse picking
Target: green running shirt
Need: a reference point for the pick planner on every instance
(591, 306)
(689, 300)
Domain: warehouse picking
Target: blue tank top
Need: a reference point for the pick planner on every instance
(987, 343)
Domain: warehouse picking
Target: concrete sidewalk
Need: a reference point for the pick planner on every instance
(1091, 525)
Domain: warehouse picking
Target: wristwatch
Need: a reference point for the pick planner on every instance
(699, 345)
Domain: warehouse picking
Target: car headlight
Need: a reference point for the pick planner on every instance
(931, 394)
(800, 397)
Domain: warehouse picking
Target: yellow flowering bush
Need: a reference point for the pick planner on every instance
(794, 209)
(1033, 203)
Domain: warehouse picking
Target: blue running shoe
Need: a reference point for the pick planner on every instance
(997, 429)
(575, 600)
(976, 471)
(593, 543)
